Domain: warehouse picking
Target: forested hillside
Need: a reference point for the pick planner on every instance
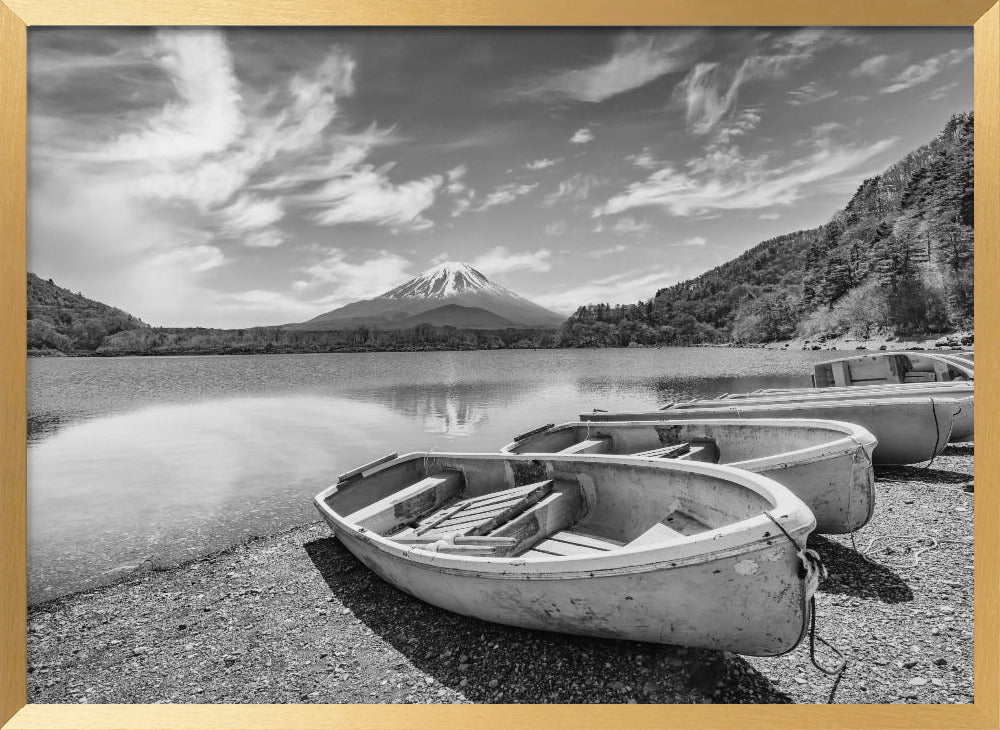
(60, 321)
(897, 259)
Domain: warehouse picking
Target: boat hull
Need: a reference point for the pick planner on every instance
(908, 431)
(740, 602)
(744, 586)
(963, 425)
(826, 464)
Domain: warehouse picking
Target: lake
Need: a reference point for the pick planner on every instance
(136, 463)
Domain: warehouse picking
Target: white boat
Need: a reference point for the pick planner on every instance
(965, 359)
(908, 430)
(890, 367)
(670, 552)
(826, 464)
(963, 426)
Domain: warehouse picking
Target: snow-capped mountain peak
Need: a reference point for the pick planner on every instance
(447, 279)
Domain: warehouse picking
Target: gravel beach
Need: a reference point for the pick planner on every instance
(294, 618)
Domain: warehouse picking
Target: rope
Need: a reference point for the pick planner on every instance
(937, 435)
(935, 542)
(813, 638)
(811, 557)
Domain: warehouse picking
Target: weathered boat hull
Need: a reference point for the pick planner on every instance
(826, 464)
(908, 430)
(963, 427)
(890, 367)
(963, 424)
(744, 589)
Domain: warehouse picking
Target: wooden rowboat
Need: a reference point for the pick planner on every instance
(908, 430)
(963, 426)
(671, 552)
(890, 367)
(826, 464)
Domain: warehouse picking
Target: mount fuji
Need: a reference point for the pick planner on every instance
(451, 293)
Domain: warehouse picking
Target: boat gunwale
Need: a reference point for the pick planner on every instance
(720, 406)
(746, 535)
(914, 353)
(852, 438)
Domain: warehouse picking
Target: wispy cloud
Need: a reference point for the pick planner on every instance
(557, 228)
(645, 159)
(502, 260)
(724, 180)
(874, 66)
(810, 93)
(600, 253)
(629, 225)
(575, 189)
(919, 73)
(626, 287)
(367, 196)
(541, 164)
(505, 195)
(636, 61)
(942, 91)
(582, 136)
(342, 280)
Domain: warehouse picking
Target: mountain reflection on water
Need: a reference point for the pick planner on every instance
(142, 462)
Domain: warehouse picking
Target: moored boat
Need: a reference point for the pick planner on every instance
(963, 425)
(890, 367)
(826, 464)
(671, 552)
(908, 430)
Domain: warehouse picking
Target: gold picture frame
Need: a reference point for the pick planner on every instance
(16, 15)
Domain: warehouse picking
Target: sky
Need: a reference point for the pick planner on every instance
(240, 177)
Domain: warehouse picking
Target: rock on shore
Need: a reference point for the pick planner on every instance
(295, 618)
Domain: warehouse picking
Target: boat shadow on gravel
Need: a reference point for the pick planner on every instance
(489, 662)
(851, 574)
(923, 475)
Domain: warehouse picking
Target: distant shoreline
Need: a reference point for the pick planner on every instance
(840, 343)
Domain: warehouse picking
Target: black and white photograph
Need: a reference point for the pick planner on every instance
(500, 365)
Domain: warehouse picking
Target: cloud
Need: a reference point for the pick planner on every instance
(625, 288)
(206, 115)
(710, 90)
(644, 159)
(348, 281)
(942, 91)
(194, 258)
(810, 93)
(576, 189)
(602, 252)
(919, 73)
(540, 164)
(582, 136)
(555, 229)
(249, 212)
(874, 66)
(501, 260)
(772, 216)
(367, 196)
(505, 195)
(724, 180)
(693, 241)
(629, 225)
(636, 61)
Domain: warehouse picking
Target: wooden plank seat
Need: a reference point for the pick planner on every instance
(502, 523)
(598, 445)
(682, 452)
(671, 451)
(566, 542)
(407, 505)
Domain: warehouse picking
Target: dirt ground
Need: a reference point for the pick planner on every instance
(295, 618)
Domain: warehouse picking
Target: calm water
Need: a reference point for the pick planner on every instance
(140, 462)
